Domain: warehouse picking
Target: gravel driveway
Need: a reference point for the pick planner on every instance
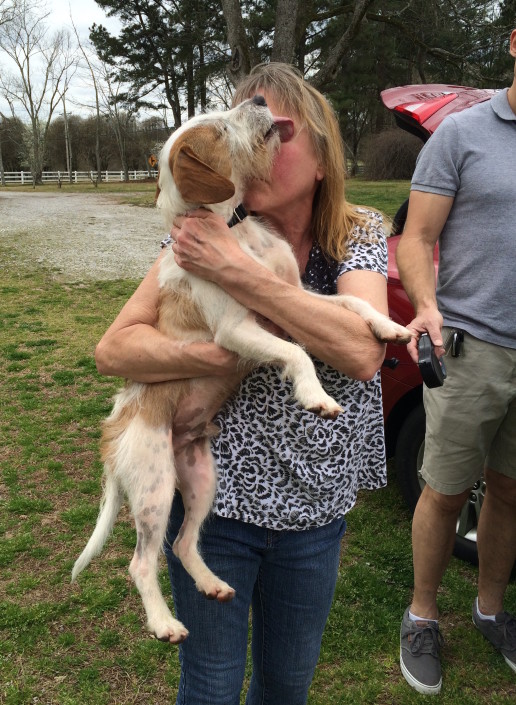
(80, 236)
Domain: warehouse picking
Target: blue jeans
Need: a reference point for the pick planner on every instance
(287, 577)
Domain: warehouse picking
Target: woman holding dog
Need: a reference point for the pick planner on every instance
(286, 478)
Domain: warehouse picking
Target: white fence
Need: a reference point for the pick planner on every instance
(55, 177)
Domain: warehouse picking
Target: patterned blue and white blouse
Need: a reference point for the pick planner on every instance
(282, 467)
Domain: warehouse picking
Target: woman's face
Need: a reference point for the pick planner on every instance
(295, 175)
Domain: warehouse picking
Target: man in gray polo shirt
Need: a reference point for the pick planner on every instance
(463, 196)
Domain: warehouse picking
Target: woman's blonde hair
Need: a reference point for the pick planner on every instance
(333, 218)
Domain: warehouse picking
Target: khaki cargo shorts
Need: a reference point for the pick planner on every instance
(471, 419)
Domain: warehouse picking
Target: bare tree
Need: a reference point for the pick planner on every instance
(8, 10)
(68, 142)
(94, 80)
(120, 110)
(42, 65)
(7, 14)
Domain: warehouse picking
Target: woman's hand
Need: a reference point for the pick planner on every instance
(204, 246)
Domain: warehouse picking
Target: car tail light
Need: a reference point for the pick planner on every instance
(423, 110)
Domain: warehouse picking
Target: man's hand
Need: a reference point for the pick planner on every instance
(429, 321)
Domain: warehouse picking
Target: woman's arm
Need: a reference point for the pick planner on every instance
(134, 349)
(333, 334)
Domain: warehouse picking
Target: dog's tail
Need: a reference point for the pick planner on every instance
(109, 508)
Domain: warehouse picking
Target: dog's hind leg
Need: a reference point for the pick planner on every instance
(150, 487)
(197, 477)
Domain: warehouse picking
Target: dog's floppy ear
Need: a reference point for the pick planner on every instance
(197, 181)
(201, 166)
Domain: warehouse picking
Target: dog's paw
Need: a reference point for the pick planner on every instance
(323, 405)
(217, 590)
(390, 332)
(326, 410)
(173, 632)
(312, 397)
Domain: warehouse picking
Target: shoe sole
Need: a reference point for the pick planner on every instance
(510, 663)
(420, 687)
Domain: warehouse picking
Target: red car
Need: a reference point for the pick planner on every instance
(419, 109)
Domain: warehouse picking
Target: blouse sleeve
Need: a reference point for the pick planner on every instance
(367, 248)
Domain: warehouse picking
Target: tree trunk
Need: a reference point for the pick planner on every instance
(36, 156)
(285, 31)
(173, 98)
(68, 144)
(97, 141)
(240, 63)
(202, 80)
(2, 174)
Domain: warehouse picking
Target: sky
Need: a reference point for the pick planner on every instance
(84, 14)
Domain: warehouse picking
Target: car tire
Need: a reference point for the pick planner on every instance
(409, 458)
(409, 455)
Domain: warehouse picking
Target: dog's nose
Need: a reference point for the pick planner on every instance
(259, 100)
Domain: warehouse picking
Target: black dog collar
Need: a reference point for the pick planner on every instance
(239, 214)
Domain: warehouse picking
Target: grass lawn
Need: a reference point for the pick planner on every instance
(85, 644)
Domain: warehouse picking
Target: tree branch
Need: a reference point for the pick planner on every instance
(339, 51)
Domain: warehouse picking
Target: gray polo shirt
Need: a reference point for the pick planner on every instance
(472, 157)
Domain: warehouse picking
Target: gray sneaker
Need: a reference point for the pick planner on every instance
(501, 633)
(420, 644)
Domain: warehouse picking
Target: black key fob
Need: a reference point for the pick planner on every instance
(456, 343)
(431, 367)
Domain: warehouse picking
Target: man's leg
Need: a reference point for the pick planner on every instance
(496, 540)
(433, 537)
(465, 423)
(496, 534)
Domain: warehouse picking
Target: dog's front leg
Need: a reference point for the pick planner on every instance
(245, 337)
(197, 478)
(384, 329)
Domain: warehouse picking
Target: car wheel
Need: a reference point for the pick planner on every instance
(409, 459)
(409, 456)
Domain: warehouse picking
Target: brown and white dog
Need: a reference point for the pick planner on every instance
(157, 436)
